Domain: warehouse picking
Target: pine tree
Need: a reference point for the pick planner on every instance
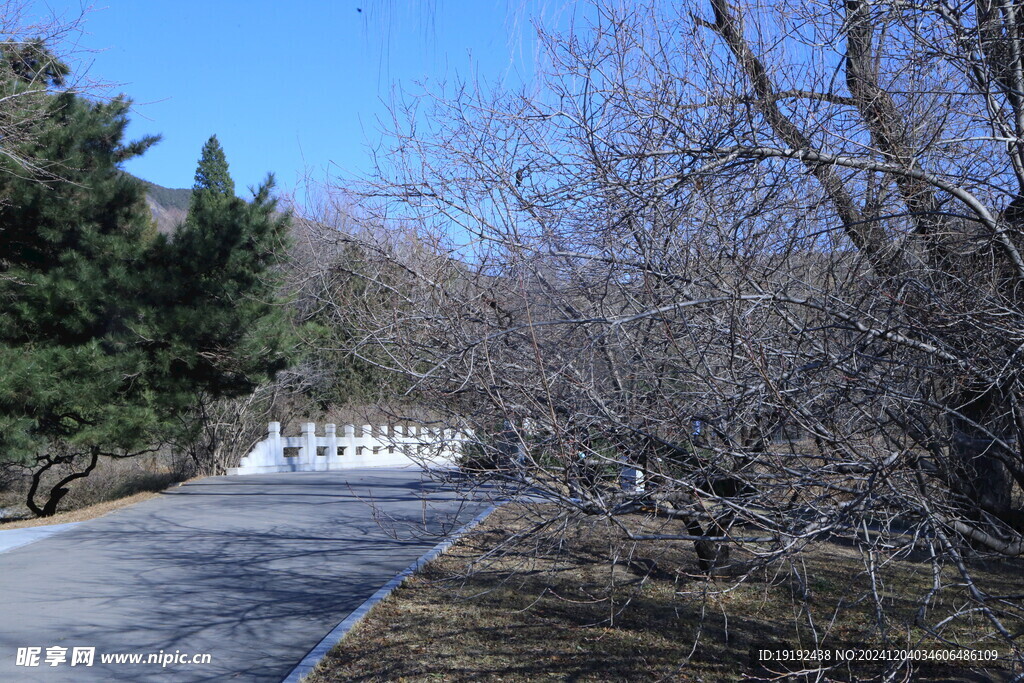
(32, 63)
(229, 329)
(74, 377)
(111, 336)
(212, 173)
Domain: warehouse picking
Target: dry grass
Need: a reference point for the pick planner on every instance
(113, 480)
(553, 606)
(80, 514)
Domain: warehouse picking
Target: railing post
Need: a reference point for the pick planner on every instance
(398, 439)
(331, 432)
(307, 452)
(413, 437)
(274, 444)
(350, 442)
(366, 442)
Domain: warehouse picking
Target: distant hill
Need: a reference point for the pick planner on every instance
(168, 206)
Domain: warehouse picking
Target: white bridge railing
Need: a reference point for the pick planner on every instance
(372, 447)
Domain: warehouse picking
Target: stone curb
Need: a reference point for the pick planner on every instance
(305, 667)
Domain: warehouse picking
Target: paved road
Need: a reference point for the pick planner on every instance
(253, 570)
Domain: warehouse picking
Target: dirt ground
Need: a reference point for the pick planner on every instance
(573, 601)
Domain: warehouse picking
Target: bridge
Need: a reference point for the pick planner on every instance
(367, 446)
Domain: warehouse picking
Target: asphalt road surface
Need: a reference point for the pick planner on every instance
(251, 570)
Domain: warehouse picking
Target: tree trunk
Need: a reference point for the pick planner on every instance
(59, 490)
(711, 555)
(980, 475)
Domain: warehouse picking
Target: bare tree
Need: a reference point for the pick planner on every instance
(221, 431)
(768, 255)
(30, 69)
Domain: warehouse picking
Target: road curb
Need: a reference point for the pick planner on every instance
(304, 667)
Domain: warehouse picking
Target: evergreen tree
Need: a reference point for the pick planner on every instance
(212, 173)
(32, 63)
(111, 335)
(344, 371)
(221, 309)
(74, 379)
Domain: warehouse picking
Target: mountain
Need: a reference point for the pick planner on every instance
(168, 206)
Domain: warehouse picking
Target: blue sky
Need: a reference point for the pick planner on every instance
(288, 87)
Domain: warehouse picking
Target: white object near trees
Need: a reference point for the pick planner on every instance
(373, 447)
(631, 479)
